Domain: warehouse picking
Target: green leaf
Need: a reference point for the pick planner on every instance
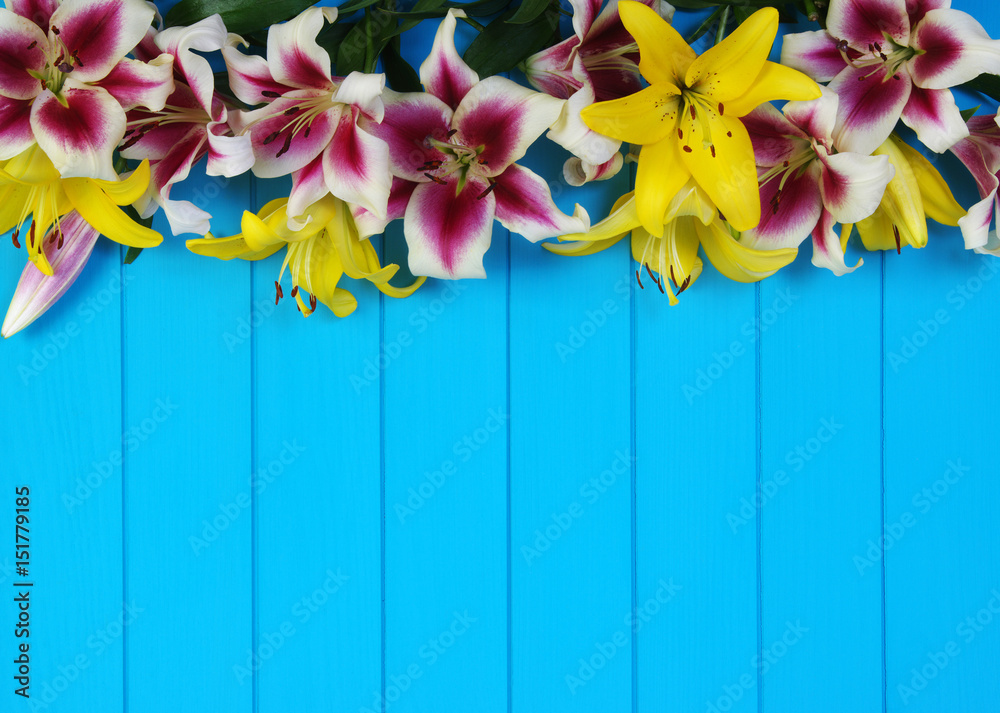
(501, 46)
(331, 37)
(988, 84)
(528, 11)
(969, 113)
(348, 7)
(704, 27)
(398, 72)
(131, 255)
(240, 16)
(351, 53)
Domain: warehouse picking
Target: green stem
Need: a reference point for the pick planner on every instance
(811, 11)
(371, 59)
(723, 21)
(470, 21)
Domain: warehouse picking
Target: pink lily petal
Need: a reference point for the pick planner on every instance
(607, 30)
(278, 148)
(852, 185)
(955, 47)
(308, 186)
(572, 134)
(79, 138)
(816, 118)
(16, 135)
(524, 205)
(863, 22)
(176, 165)
(986, 132)
(975, 225)
(38, 11)
(448, 234)
(99, 33)
(134, 83)
(410, 119)
(356, 165)
(363, 91)
(550, 71)
(577, 172)
(869, 108)
(584, 14)
(208, 35)
(249, 75)
(147, 50)
(798, 208)
(159, 138)
(505, 118)
(369, 224)
(918, 8)
(444, 74)
(227, 155)
(294, 56)
(37, 292)
(827, 251)
(775, 139)
(22, 48)
(814, 53)
(933, 114)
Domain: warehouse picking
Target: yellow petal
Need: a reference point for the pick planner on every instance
(128, 190)
(12, 198)
(775, 81)
(939, 203)
(727, 70)
(257, 233)
(108, 219)
(660, 175)
(642, 118)
(729, 177)
(902, 205)
(229, 248)
(737, 261)
(31, 166)
(664, 56)
(612, 229)
(877, 232)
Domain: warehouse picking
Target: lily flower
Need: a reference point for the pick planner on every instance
(309, 124)
(690, 220)
(30, 186)
(317, 255)
(192, 124)
(892, 59)
(66, 84)
(980, 153)
(598, 63)
(453, 150)
(36, 292)
(688, 120)
(808, 185)
(916, 192)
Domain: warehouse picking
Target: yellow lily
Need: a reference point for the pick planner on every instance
(30, 186)
(690, 220)
(318, 255)
(917, 192)
(688, 120)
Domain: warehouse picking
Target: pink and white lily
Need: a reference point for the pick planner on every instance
(453, 150)
(598, 63)
(192, 124)
(36, 292)
(892, 59)
(980, 153)
(809, 185)
(309, 125)
(65, 81)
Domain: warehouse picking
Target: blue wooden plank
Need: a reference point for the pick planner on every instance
(696, 411)
(571, 464)
(188, 557)
(820, 491)
(63, 440)
(942, 497)
(445, 424)
(317, 465)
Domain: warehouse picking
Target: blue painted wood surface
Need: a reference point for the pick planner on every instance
(546, 491)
